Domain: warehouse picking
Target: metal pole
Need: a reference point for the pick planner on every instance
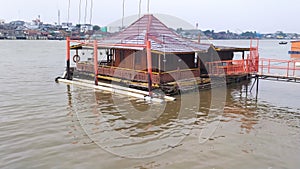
(79, 12)
(288, 69)
(85, 11)
(262, 67)
(159, 63)
(253, 84)
(199, 64)
(91, 11)
(123, 14)
(257, 84)
(69, 6)
(77, 54)
(96, 61)
(294, 69)
(68, 59)
(269, 66)
(148, 7)
(140, 5)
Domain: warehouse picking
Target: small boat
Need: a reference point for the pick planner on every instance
(283, 42)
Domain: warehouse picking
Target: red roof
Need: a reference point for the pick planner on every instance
(162, 38)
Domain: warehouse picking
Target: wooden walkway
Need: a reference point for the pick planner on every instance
(256, 67)
(269, 69)
(277, 77)
(279, 70)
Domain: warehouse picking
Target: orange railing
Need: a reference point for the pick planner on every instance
(236, 67)
(231, 67)
(287, 68)
(275, 67)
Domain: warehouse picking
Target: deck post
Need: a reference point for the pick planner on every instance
(96, 61)
(149, 65)
(269, 66)
(257, 85)
(243, 55)
(77, 53)
(68, 59)
(159, 69)
(262, 67)
(294, 69)
(199, 64)
(159, 63)
(288, 69)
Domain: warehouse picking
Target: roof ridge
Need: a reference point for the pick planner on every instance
(162, 38)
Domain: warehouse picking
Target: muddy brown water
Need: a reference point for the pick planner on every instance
(48, 125)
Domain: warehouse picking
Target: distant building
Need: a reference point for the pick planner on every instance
(35, 24)
(86, 27)
(2, 21)
(66, 25)
(17, 23)
(31, 25)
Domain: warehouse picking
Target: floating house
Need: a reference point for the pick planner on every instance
(148, 54)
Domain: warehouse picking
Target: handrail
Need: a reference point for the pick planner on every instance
(109, 45)
(231, 67)
(288, 66)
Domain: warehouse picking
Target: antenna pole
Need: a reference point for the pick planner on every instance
(79, 12)
(123, 15)
(58, 17)
(140, 4)
(86, 7)
(91, 12)
(69, 11)
(148, 7)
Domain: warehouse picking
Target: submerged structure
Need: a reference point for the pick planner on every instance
(148, 55)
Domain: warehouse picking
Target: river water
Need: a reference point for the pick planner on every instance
(48, 125)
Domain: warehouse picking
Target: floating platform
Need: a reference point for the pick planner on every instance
(278, 77)
(118, 90)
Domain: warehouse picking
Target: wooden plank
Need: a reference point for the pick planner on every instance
(116, 89)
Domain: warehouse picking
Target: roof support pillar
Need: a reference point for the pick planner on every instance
(149, 66)
(68, 59)
(96, 61)
(198, 63)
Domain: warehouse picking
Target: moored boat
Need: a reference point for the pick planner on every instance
(283, 42)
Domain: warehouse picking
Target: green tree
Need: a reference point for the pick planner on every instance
(96, 28)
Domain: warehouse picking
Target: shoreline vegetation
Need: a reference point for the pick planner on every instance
(92, 37)
(37, 30)
(99, 34)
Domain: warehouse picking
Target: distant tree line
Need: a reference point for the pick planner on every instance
(211, 34)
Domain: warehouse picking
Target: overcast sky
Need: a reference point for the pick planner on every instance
(234, 15)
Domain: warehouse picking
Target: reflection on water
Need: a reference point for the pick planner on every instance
(123, 128)
(126, 128)
(49, 125)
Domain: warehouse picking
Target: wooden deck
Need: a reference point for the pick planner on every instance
(140, 75)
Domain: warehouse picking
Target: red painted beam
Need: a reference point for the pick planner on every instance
(68, 59)
(149, 65)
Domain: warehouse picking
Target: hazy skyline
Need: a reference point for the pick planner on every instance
(235, 15)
